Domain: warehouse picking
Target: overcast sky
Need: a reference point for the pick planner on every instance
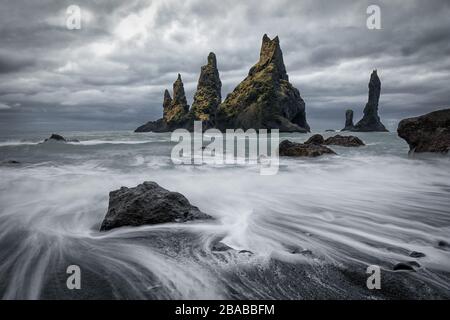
(112, 73)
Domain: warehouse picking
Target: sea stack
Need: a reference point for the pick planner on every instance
(148, 204)
(348, 120)
(166, 103)
(265, 98)
(208, 96)
(371, 121)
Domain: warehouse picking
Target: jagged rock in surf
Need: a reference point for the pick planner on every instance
(348, 120)
(427, 133)
(167, 102)
(208, 96)
(265, 98)
(345, 141)
(148, 204)
(371, 120)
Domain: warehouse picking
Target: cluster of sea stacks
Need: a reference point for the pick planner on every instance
(265, 99)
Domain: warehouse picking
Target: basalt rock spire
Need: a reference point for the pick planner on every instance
(348, 120)
(265, 98)
(371, 121)
(178, 108)
(208, 96)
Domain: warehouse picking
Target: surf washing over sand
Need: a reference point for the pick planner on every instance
(309, 231)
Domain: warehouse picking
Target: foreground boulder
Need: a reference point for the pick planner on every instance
(148, 204)
(371, 120)
(348, 121)
(427, 133)
(345, 141)
(292, 149)
(265, 98)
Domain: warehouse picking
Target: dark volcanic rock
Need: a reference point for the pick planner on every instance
(55, 137)
(167, 102)
(315, 139)
(406, 266)
(265, 98)
(345, 141)
(371, 121)
(58, 138)
(208, 96)
(154, 126)
(427, 133)
(299, 250)
(175, 111)
(416, 254)
(10, 162)
(443, 244)
(293, 149)
(148, 203)
(348, 120)
(220, 247)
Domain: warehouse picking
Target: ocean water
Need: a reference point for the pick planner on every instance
(363, 206)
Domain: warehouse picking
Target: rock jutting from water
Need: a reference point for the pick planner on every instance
(406, 266)
(371, 120)
(345, 141)
(175, 111)
(265, 99)
(292, 149)
(427, 133)
(148, 204)
(59, 138)
(348, 120)
(208, 96)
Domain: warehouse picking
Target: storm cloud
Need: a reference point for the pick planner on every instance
(113, 71)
